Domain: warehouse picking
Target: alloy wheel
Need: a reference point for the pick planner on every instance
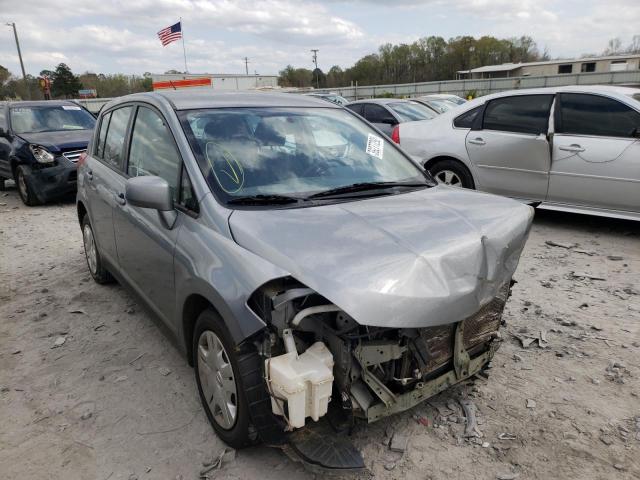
(448, 177)
(217, 379)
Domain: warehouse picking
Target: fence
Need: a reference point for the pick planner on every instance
(460, 87)
(488, 85)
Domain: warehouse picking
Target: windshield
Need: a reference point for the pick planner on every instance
(52, 118)
(290, 151)
(441, 105)
(410, 111)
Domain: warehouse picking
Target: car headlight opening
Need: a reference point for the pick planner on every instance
(41, 154)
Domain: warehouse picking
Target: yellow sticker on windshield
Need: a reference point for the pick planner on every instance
(227, 170)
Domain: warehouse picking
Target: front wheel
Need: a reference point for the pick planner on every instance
(453, 173)
(220, 385)
(25, 191)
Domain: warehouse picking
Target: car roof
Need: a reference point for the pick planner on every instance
(382, 101)
(195, 99)
(613, 90)
(39, 103)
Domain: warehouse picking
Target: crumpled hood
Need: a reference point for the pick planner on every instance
(59, 141)
(419, 259)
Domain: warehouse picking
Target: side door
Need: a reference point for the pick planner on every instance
(5, 144)
(510, 148)
(144, 242)
(596, 153)
(102, 177)
(380, 117)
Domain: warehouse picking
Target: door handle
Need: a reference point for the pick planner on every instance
(477, 141)
(574, 147)
(120, 198)
(90, 174)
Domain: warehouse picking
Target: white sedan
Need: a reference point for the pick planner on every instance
(573, 149)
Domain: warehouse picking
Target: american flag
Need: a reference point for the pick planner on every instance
(170, 34)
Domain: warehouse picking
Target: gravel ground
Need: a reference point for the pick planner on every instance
(117, 401)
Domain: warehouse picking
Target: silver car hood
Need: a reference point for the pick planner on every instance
(424, 258)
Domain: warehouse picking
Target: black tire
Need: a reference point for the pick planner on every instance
(25, 191)
(461, 175)
(3, 187)
(99, 273)
(241, 433)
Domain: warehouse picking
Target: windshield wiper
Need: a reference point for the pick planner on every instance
(271, 199)
(365, 186)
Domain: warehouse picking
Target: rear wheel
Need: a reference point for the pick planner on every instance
(99, 273)
(24, 189)
(453, 173)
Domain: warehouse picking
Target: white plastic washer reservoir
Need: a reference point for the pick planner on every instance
(303, 381)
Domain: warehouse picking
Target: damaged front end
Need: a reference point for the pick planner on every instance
(315, 353)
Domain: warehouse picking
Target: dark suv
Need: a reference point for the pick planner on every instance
(40, 143)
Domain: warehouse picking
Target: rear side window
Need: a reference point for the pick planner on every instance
(114, 141)
(104, 125)
(153, 151)
(583, 114)
(377, 114)
(357, 108)
(519, 114)
(3, 118)
(467, 118)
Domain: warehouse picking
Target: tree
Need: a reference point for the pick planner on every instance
(65, 83)
(614, 47)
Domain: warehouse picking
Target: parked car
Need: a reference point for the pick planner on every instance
(438, 105)
(445, 96)
(40, 143)
(329, 97)
(386, 113)
(573, 149)
(300, 259)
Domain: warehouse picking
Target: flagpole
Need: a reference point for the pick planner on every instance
(184, 50)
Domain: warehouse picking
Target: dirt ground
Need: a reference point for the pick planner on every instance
(116, 400)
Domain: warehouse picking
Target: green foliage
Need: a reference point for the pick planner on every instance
(427, 59)
(64, 83)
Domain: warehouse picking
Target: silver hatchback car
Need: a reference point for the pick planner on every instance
(304, 264)
(574, 149)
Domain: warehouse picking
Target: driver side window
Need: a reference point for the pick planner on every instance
(153, 151)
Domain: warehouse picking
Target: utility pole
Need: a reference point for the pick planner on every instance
(246, 65)
(315, 61)
(24, 75)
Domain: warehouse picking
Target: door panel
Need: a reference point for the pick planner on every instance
(511, 164)
(596, 156)
(596, 171)
(103, 175)
(145, 253)
(511, 153)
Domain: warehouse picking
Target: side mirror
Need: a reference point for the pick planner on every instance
(149, 192)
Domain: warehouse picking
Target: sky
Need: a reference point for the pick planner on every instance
(119, 36)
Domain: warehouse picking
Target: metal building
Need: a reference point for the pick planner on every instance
(214, 81)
